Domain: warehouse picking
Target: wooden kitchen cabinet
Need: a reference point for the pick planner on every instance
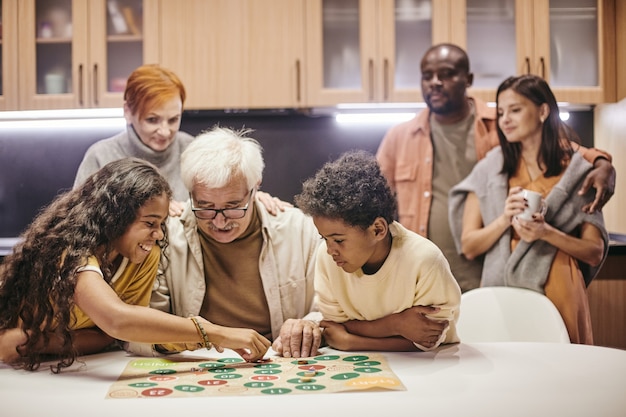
(8, 55)
(570, 43)
(78, 53)
(236, 54)
(369, 51)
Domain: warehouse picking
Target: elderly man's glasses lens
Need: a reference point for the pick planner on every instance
(229, 213)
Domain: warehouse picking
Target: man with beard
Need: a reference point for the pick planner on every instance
(423, 158)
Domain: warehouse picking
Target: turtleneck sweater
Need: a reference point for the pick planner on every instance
(127, 144)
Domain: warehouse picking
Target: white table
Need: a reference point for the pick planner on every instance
(488, 379)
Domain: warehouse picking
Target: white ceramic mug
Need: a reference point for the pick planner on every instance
(54, 83)
(535, 204)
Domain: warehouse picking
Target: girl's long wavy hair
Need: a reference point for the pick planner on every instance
(555, 136)
(38, 279)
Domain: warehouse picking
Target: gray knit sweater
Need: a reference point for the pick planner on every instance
(529, 264)
(128, 144)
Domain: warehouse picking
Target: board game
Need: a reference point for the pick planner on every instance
(161, 377)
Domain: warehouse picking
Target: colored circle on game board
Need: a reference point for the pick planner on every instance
(258, 384)
(211, 382)
(356, 358)
(367, 363)
(368, 370)
(318, 373)
(230, 360)
(345, 375)
(156, 392)
(327, 357)
(188, 388)
(298, 381)
(268, 371)
(124, 393)
(310, 387)
(267, 365)
(221, 370)
(276, 391)
(163, 371)
(143, 384)
(228, 376)
(311, 367)
(264, 377)
(162, 378)
(211, 365)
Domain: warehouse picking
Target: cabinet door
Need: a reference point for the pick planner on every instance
(8, 55)
(568, 42)
(78, 53)
(574, 49)
(117, 45)
(236, 54)
(53, 44)
(370, 51)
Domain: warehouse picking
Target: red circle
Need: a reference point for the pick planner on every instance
(156, 392)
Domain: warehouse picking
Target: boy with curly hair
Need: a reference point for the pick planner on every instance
(378, 285)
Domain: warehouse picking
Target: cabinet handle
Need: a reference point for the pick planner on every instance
(386, 79)
(298, 96)
(371, 79)
(527, 65)
(81, 101)
(543, 67)
(95, 84)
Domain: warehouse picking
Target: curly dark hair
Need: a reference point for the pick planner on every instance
(38, 279)
(351, 189)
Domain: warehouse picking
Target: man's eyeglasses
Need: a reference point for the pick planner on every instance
(229, 213)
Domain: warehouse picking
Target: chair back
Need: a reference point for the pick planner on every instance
(509, 314)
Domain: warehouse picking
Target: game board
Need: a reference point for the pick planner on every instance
(160, 377)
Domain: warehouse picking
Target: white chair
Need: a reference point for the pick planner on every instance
(509, 314)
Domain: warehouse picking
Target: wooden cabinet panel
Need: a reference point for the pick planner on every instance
(236, 54)
(8, 55)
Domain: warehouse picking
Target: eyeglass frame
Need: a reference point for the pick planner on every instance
(243, 209)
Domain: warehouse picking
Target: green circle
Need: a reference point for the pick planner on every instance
(143, 384)
(345, 375)
(310, 387)
(303, 373)
(258, 384)
(298, 381)
(356, 358)
(276, 391)
(368, 370)
(227, 376)
(268, 371)
(211, 365)
(221, 370)
(367, 363)
(188, 388)
(308, 362)
(327, 357)
(230, 360)
(163, 371)
(267, 365)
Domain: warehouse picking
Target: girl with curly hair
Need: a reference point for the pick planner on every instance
(379, 286)
(83, 274)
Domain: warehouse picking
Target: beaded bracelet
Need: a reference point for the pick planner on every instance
(205, 339)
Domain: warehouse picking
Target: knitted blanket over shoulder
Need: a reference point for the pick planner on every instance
(529, 264)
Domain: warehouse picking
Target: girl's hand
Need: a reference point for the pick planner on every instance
(531, 230)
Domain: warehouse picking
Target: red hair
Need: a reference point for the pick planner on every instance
(150, 86)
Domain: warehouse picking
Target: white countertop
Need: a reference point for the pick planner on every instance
(478, 379)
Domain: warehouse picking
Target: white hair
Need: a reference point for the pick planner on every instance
(217, 156)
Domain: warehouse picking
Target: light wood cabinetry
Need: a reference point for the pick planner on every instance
(236, 54)
(368, 51)
(8, 55)
(78, 53)
(569, 43)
